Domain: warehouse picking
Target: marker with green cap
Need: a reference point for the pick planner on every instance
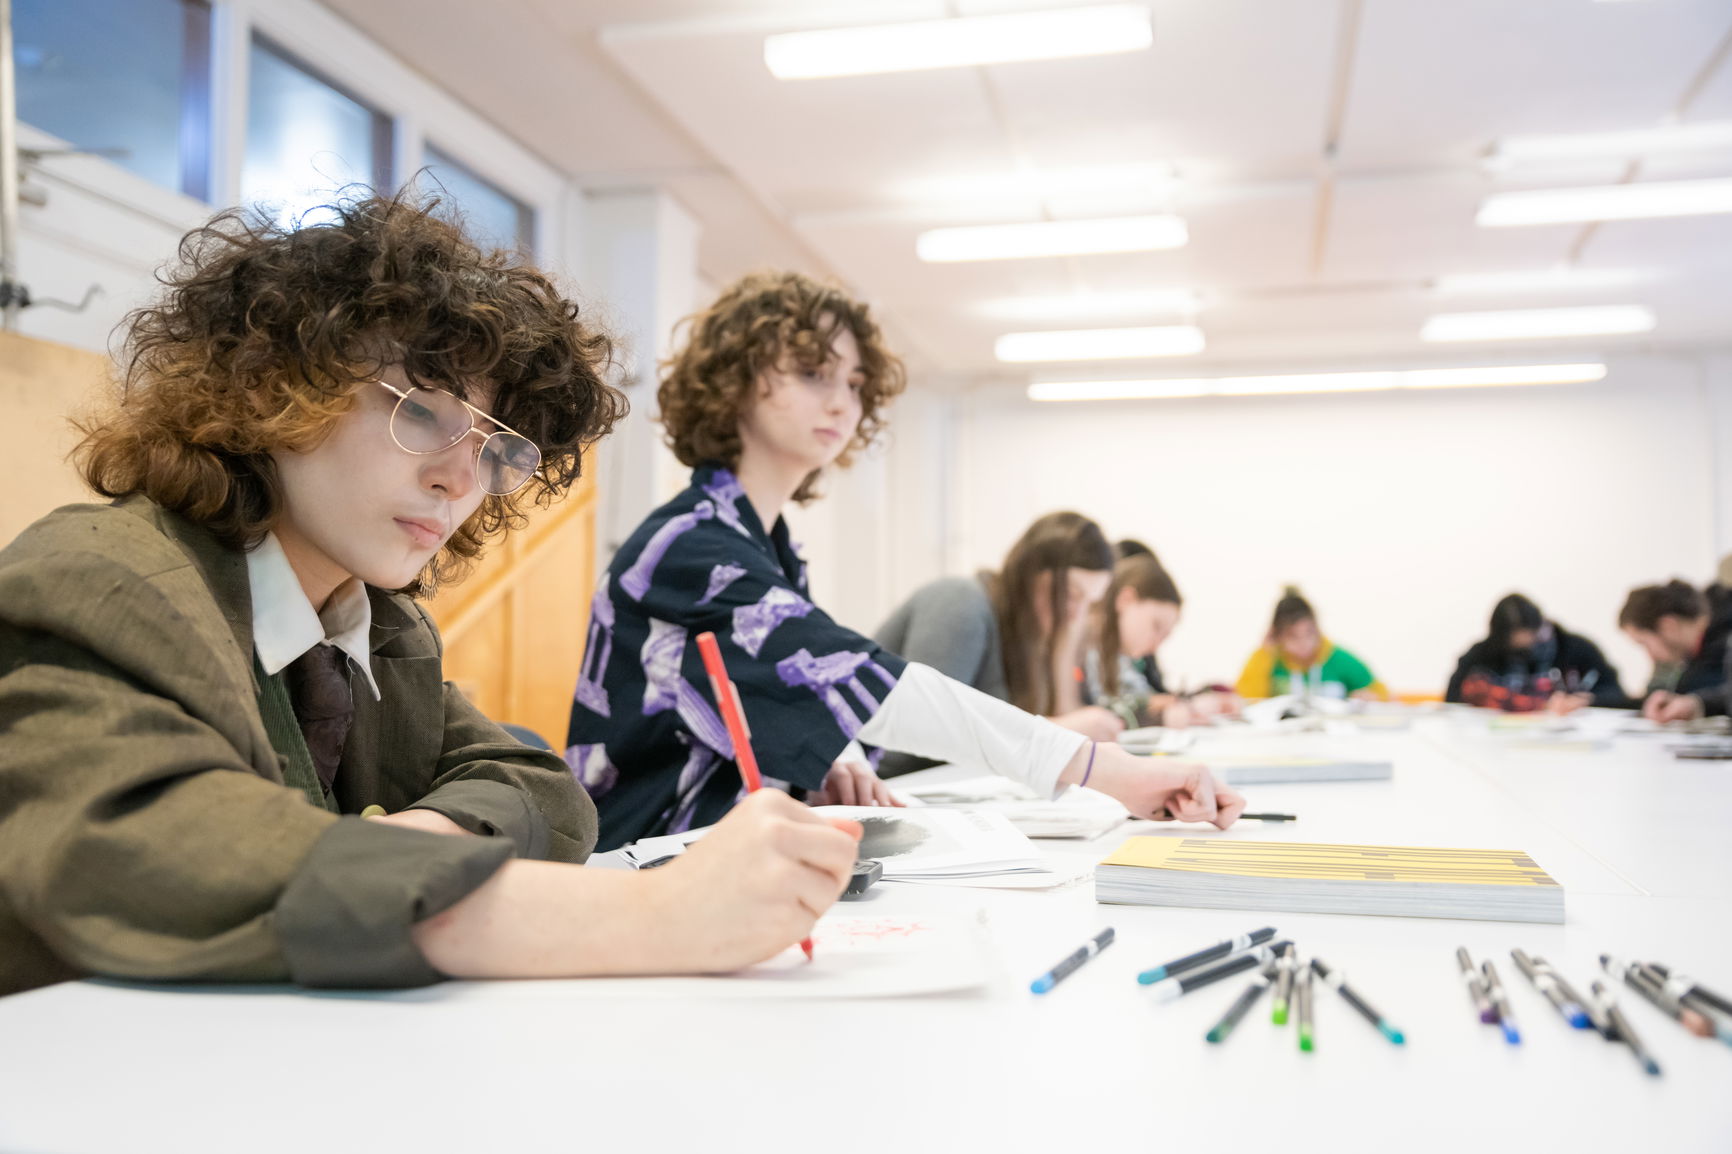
(1284, 985)
(1302, 1006)
(1340, 986)
(1243, 1003)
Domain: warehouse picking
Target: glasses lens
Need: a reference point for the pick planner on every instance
(427, 421)
(507, 461)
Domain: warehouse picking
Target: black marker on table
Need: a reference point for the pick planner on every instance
(1070, 965)
(1621, 1031)
(1169, 988)
(1693, 987)
(1340, 986)
(1500, 1000)
(1546, 982)
(1268, 817)
(1219, 950)
(1219, 1031)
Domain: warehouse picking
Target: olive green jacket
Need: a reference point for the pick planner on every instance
(145, 829)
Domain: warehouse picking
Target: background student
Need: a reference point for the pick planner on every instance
(1297, 658)
(779, 380)
(1527, 663)
(1673, 623)
(1135, 617)
(1018, 633)
(204, 683)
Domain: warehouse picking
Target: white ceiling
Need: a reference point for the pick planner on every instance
(1300, 260)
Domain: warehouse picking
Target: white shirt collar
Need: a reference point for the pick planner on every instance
(285, 624)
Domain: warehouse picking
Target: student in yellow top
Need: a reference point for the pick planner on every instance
(1297, 658)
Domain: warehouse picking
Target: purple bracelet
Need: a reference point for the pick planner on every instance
(1091, 765)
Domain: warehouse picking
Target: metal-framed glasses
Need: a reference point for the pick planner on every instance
(427, 421)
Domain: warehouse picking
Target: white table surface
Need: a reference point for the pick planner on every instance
(1638, 839)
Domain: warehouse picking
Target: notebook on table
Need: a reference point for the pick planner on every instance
(1238, 771)
(1315, 878)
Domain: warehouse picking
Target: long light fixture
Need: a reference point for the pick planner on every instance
(1535, 280)
(1084, 306)
(1051, 238)
(1605, 202)
(1370, 381)
(1042, 183)
(959, 43)
(1668, 141)
(1531, 324)
(1100, 344)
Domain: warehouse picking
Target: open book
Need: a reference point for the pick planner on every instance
(1075, 813)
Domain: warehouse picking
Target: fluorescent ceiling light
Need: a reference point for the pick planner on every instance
(1082, 306)
(1100, 344)
(1041, 184)
(1525, 324)
(959, 43)
(1535, 280)
(1667, 141)
(1317, 383)
(1051, 238)
(1606, 202)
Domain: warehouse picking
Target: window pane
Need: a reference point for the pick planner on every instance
(305, 139)
(492, 216)
(129, 75)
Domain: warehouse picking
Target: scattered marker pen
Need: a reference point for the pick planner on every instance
(1268, 817)
(1170, 988)
(1243, 1003)
(1695, 987)
(1339, 984)
(1219, 950)
(1685, 991)
(1302, 1007)
(1621, 1031)
(1544, 980)
(1070, 965)
(1500, 1001)
(1283, 985)
(1692, 1020)
(1475, 983)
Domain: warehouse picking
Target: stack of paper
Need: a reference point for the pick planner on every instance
(1075, 813)
(1300, 877)
(1237, 770)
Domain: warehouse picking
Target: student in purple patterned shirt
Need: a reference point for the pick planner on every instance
(779, 380)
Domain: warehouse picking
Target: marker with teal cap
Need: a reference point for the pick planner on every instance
(1243, 1003)
(1069, 966)
(1212, 953)
(1336, 982)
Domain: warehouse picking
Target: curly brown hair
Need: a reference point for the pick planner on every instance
(265, 331)
(708, 385)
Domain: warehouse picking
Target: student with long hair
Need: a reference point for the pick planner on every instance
(205, 683)
(1675, 624)
(1297, 658)
(1133, 620)
(779, 380)
(1528, 663)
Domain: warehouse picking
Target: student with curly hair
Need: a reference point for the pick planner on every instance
(1678, 625)
(779, 380)
(227, 752)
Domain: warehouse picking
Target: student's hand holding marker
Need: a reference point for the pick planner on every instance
(1664, 706)
(1160, 789)
(755, 884)
(1561, 703)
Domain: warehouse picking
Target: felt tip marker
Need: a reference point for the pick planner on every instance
(1170, 988)
(1302, 1007)
(1689, 996)
(1219, 950)
(1621, 1031)
(1475, 982)
(1500, 1000)
(1545, 980)
(1694, 1021)
(1284, 985)
(1074, 962)
(1243, 1003)
(1339, 984)
(1714, 1000)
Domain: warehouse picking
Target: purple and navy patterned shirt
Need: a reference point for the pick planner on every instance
(646, 740)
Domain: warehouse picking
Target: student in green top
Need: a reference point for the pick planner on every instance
(1297, 658)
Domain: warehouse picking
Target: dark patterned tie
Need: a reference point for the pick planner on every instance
(318, 682)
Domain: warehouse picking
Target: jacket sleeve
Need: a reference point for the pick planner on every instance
(493, 785)
(949, 628)
(1462, 669)
(136, 842)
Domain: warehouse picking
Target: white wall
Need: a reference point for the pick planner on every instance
(1403, 516)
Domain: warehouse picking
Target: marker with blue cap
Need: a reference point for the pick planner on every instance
(1545, 979)
(1500, 1001)
(1070, 965)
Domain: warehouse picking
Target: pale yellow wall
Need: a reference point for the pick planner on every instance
(41, 384)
